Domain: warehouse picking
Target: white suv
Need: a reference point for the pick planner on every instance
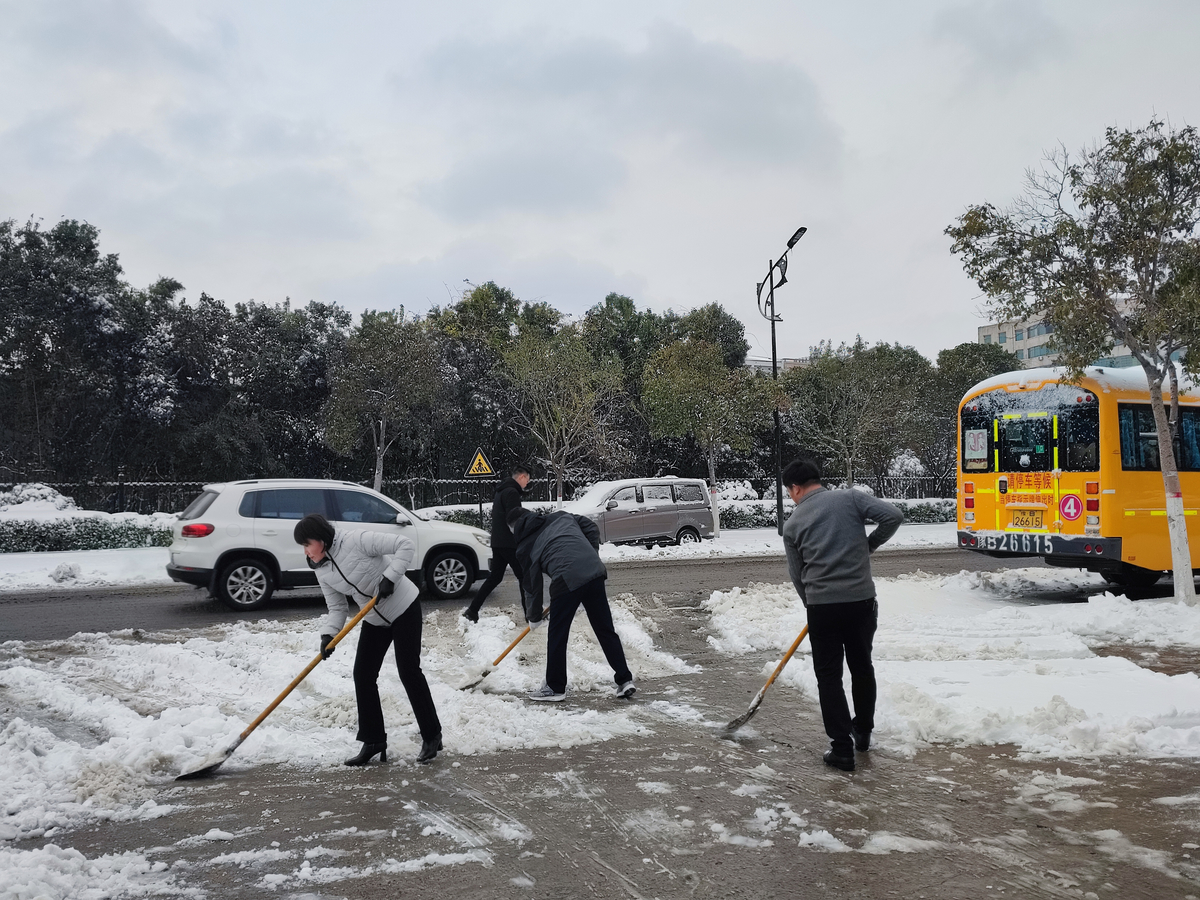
(236, 538)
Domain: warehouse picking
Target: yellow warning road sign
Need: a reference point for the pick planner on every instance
(481, 466)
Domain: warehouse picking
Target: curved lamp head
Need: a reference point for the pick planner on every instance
(795, 237)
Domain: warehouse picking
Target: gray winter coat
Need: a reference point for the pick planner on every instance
(353, 567)
(828, 550)
(562, 545)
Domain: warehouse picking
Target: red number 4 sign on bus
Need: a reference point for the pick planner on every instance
(1070, 507)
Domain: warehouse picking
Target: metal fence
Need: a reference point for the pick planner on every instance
(415, 493)
(173, 496)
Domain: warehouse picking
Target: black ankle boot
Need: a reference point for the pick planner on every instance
(429, 749)
(368, 752)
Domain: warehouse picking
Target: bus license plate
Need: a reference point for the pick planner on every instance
(1027, 518)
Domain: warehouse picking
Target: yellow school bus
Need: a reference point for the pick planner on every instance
(1070, 472)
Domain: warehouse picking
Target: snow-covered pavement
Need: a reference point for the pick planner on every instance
(96, 727)
(147, 566)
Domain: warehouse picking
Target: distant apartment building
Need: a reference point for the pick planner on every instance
(1031, 341)
(785, 363)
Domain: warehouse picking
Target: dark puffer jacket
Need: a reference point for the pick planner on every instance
(508, 498)
(561, 545)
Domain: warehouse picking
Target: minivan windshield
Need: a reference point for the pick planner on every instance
(594, 496)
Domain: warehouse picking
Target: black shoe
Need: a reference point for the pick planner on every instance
(845, 763)
(862, 740)
(470, 615)
(429, 749)
(367, 752)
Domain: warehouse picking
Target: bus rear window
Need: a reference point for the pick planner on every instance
(1025, 445)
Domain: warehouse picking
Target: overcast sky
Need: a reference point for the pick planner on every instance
(378, 154)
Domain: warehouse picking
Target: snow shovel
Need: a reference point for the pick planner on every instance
(210, 765)
(758, 699)
(476, 676)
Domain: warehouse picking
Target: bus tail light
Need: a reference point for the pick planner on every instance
(1087, 548)
(1093, 506)
(968, 487)
(1093, 487)
(969, 503)
(1098, 548)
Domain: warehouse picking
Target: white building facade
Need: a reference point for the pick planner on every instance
(1032, 342)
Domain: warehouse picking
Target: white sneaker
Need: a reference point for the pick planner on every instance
(545, 692)
(625, 691)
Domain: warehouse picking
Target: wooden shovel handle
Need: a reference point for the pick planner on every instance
(783, 662)
(520, 637)
(312, 665)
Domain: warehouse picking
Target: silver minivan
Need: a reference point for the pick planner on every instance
(648, 510)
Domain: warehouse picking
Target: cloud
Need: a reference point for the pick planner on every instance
(570, 284)
(565, 115)
(539, 179)
(1002, 38)
(114, 35)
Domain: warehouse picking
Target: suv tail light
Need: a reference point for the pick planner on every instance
(197, 530)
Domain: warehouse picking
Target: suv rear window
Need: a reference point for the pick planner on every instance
(286, 503)
(197, 507)
(689, 493)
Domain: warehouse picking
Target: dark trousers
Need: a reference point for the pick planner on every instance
(562, 612)
(502, 558)
(405, 635)
(837, 630)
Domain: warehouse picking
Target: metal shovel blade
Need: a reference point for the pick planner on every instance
(209, 766)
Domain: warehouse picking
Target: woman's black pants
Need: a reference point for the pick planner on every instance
(405, 635)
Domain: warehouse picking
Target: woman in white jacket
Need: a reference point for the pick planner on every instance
(363, 564)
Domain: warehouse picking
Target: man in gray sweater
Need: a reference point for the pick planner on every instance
(829, 561)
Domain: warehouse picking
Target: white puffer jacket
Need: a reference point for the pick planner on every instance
(360, 559)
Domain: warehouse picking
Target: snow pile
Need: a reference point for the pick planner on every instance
(974, 658)
(736, 490)
(42, 503)
(84, 569)
(106, 719)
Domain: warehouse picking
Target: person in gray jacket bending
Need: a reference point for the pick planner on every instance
(566, 547)
(363, 564)
(829, 561)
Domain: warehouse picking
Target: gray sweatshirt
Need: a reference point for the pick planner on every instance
(828, 550)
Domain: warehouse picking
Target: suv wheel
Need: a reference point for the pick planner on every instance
(245, 584)
(688, 536)
(448, 575)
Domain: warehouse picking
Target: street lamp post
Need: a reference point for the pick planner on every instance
(766, 307)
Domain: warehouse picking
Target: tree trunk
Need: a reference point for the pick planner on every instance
(712, 489)
(1181, 557)
(380, 449)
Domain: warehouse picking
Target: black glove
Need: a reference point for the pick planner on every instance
(326, 650)
(386, 586)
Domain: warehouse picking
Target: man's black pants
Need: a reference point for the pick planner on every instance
(837, 630)
(502, 558)
(562, 612)
(373, 642)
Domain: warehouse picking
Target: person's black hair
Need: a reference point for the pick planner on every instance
(314, 527)
(521, 469)
(515, 516)
(800, 472)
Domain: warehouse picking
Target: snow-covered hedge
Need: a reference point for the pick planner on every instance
(79, 534)
(36, 517)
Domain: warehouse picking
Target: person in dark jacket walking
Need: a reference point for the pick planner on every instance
(363, 564)
(829, 561)
(566, 547)
(504, 545)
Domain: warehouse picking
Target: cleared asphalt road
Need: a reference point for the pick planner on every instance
(52, 615)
